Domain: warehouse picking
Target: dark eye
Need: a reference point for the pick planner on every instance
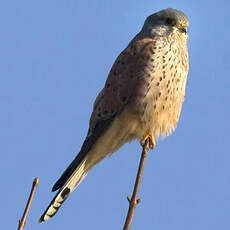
(183, 30)
(170, 21)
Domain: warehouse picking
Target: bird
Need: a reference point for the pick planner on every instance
(141, 99)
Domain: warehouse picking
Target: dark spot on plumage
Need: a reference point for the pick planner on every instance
(133, 48)
(158, 83)
(163, 107)
(152, 70)
(51, 215)
(166, 52)
(108, 85)
(65, 193)
(99, 114)
(152, 50)
(56, 208)
(160, 78)
(154, 106)
(61, 202)
(171, 66)
(166, 98)
(159, 94)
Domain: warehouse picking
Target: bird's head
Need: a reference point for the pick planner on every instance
(165, 22)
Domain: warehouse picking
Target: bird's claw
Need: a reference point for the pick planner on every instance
(152, 141)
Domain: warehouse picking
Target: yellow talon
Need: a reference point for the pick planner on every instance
(152, 141)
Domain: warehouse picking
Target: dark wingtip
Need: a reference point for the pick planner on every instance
(87, 145)
(41, 219)
(67, 173)
(55, 187)
(60, 182)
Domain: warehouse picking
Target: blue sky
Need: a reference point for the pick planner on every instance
(55, 57)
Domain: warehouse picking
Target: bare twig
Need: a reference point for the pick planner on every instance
(22, 222)
(134, 201)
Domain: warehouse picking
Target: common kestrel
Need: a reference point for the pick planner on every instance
(141, 99)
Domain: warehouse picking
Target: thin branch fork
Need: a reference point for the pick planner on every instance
(134, 201)
(22, 222)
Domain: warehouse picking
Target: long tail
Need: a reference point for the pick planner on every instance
(76, 171)
(74, 180)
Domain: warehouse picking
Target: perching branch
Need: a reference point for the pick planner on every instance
(134, 201)
(22, 222)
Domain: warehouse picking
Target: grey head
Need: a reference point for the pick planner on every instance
(165, 22)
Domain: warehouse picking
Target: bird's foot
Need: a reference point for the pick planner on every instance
(151, 139)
